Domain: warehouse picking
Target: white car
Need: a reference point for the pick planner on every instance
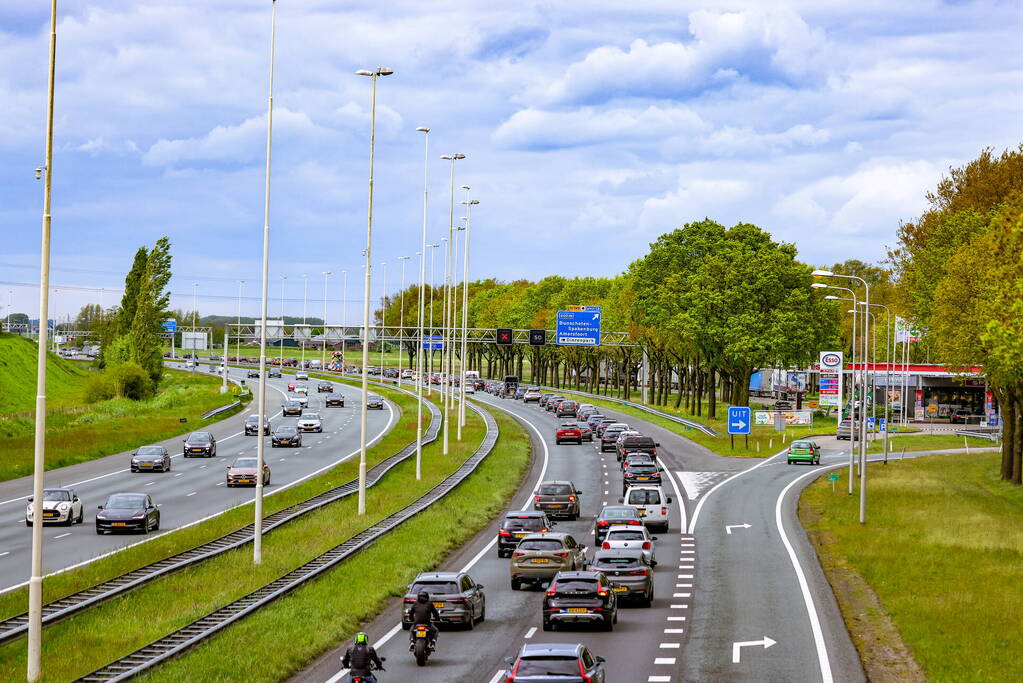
(470, 389)
(301, 389)
(59, 505)
(303, 376)
(309, 422)
(651, 504)
(303, 400)
(631, 538)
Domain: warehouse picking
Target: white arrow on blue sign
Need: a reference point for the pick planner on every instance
(738, 420)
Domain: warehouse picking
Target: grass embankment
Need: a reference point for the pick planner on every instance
(65, 381)
(75, 647)
(113, 426)
(927, 442)
(55, 587)
(942, 553)
(764, 438)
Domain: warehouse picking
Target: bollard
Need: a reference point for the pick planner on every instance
(770, 444)
(758, 445)
(966, 444)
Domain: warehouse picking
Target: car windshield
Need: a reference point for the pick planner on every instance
(614, 562)
(311, 416)
(150, 450)
(434, 587)
(626, 535)
(56, 494)
(199, 437)
(293, 404)
(123, 501)
(285, 430)
(540, 544)
(644, 497)
(548, 666)
(577, 586)
(253, 419)
(527, 523)
(244, 462)
(555, 490)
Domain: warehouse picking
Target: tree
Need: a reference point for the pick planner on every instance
(151, 307)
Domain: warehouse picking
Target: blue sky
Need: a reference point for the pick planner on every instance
(590, 128)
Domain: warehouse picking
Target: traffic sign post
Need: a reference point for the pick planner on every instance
(578, 326)
(739, 420)
(833, 477)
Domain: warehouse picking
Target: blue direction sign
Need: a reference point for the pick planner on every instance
(170, 326)
(738, 420)
(881, 424)
(433, 343)
(870, 424)
(579, 326)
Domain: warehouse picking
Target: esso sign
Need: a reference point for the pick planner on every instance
(830, 360)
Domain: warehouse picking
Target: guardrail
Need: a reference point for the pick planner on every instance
(993, 435)
(63, 608)
(222, 409)
(201, 629)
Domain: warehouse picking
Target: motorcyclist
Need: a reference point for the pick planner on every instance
(360, 659)
(424, 613)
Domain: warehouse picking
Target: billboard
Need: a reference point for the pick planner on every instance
(791, 418)
(830, 388)
(796, 383)
(193, 341)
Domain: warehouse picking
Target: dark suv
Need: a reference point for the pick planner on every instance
(200, 444)
(518, 524)
(566, 409)
(569, 662)
(630, 574)
(640, 473)
(557, 498)
(252, 425)
(636, 444)
(458, 599)
(580, 598)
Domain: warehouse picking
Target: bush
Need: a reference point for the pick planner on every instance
(132, 381)
(100, 388)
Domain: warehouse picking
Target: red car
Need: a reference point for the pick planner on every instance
(569, 431)
(291, 386)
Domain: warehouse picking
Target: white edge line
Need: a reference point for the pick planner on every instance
(699, 505)
(678, 496)
(479, 556)
(370, 443)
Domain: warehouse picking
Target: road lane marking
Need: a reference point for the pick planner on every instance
(674, 630)
(658, 679)
(664, 660)
(150, 483)
(685, 576)
(699, 505)
(682, 595)
(676, 618)
(683, 585)
(680, 606)
(221, 484)
(529, 633)
(179, 474)
(62, 535)
(202, 467)
(191, 494)
(497, 676)
(6, 552)
(670, 646)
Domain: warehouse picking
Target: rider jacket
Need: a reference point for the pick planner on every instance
(424, 613)
(360, 658)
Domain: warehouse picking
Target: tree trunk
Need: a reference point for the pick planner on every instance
(712, 402)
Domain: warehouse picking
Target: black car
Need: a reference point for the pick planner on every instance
(335, 400)
(273, 372)
(292, 408)
(580, 598)
(609, 436)
(569, 662)
(636, 444)
(252, 425)
(517, 524)
(200, 444)
(252, 373)
(375, 403)
(150, 458)
(324, 387)
(641, 473)
(128, 512)
(458, 599)
(612, 515)
(286, 435)
(629, 572)
(566, 409)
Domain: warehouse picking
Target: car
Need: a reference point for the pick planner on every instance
(553, 403)
(303, 400)
(569, 662)
(286, 435)
(335, 400)
(637, 458)
(301, 376)
(542, 401)
(847, 431)
(301, 389)
(375, 403)
(566, 409)
(612, 515)
(558, 497)
(150, 458)
(651, 504)
(520, 394)
(629, 572)
(128, 512)
(310, 422)
(243, 472)
(252, 425)
(60, 505)
(273, 372)
(964, 417)
(593, 420)
(252, 374)
(291, 407)
(324, 388)
(804, 451)
(200, 444)
(576, 597)
(631, 538)
(624, 434)
(604, 424)
(568, 431)
(518, 524)
(783, 405)
(470, 390)
(291, 386)
(531, 396)
(458, 599)
(539, 557)
(609, 434)
(636, 443)
(585, 432)
(640, 473)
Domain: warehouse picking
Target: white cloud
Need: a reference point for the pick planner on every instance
(532, 128)
(693, 200)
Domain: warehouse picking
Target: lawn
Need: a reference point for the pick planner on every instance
(928, 442)
(65, 380)
(942, 551)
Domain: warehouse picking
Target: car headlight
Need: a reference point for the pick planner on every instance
(138, 515)
(64, 507)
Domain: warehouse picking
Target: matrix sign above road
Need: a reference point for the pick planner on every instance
(579, 326)
(537, 337)
(738, 420)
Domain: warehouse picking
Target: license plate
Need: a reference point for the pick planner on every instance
(520, 535)
(556, 505)
(49, 514)
(577, 610)
(438, 605)
(197, 450)
(285, 441)
(245, 481)
(118, 524)
(420, 634)
(642, 478)
(620, 589)
(147, 464)
(540, 560)
(641, 511)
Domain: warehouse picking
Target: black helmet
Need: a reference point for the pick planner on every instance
(424, 596)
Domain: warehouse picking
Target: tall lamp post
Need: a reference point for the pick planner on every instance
(379, 71)
(323, 355)
(465, 302)
(238, 322)
(421, 351)
(446, 351)
(195, 323)
(344, 319)
(383, 320)
(433, 253)
(305, 306)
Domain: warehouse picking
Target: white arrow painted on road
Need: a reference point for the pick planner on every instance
(737, 647)
(729, 527)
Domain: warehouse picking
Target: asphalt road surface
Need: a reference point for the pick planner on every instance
(194, 488)
(739, 604)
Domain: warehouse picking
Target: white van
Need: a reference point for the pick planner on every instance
(651, 504)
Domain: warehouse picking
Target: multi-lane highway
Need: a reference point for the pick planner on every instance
(193, 490)
(736, 596)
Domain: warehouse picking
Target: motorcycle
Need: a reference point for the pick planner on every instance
(421, 644)
(364, 679)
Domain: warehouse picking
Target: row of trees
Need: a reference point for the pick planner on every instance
(959, 267)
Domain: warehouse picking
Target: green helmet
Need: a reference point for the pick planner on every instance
(361, 638)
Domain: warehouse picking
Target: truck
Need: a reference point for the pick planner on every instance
(508, 387)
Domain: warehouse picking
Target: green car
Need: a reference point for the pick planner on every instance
(804, 451)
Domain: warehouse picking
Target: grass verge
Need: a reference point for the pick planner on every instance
(942, 553)
(65, 381)
(116, 628)
(927, 442)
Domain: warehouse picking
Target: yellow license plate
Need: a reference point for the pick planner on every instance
(520, 535)
(197, 450)
(577, 610)
(642, 478)
(421, 634)
(147, 464)
(641, 511)
(540, 560)
(438, 605)
(49, 514)
(118, 524)
(245, 481)
(620, 589)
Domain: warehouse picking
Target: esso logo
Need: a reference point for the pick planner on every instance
(831, 360)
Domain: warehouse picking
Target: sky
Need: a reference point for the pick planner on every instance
(589, 129)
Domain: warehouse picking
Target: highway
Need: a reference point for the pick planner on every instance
(717, 594)
(192, 491)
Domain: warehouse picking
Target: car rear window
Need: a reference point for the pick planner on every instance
(577, 586)
(527, 524)
(434, 587)
(626, 535)
(619, 513)
(555, 490)
(641, 468)
(548, 666)
(802, 444)
(570, 425)
(540, 544)
(644, 497)
(615, 562)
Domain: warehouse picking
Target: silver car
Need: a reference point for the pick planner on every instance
(310, 422)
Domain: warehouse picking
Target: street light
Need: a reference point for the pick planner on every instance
(465, 304)
(422, 303)
(379, 71)
(852, 378)
(449, 308)
(344, 319)
(195, 322)
(323, 355)
(305, 302)
(238, 321)
(281, 337)
(433, 252)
